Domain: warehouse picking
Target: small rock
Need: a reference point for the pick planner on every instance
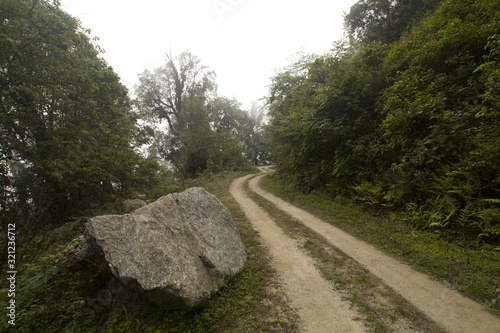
(142, 197)
(133, 204)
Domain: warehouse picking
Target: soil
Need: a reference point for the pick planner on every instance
(322, 307)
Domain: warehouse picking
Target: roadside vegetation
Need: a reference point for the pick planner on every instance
(403, 117)
(73, 145)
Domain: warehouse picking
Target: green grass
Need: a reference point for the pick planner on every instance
(57, 294)
(471, 268)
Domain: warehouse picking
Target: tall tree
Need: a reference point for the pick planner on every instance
(164, 91)
(177, 93)
(64, 115)
(385, 20)
(254, 135)
(183, 92)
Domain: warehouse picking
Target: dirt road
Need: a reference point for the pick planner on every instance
(321, 309)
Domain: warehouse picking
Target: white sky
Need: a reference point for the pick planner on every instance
(243, 41)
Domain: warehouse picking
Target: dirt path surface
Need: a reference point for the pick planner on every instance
(319, 307)
(446, 307)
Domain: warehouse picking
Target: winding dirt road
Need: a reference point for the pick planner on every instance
(320, 307)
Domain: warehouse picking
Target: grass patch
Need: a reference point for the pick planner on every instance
(473, 269)
(56, 295)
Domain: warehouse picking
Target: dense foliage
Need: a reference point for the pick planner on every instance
(404, 118)
(66, 130)
(205, 132)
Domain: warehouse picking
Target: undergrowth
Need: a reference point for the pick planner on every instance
(57, 294)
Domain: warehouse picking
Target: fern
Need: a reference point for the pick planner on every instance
(490, 201)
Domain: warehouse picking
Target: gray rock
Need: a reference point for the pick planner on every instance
(176, 251)
(142, 197)
(133, 204)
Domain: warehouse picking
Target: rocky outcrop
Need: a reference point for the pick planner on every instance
(176, 251)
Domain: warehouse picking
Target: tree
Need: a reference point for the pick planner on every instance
(254, 136)
(320, 117)
(164, 92)
(441, 117)
(406, 120)
(199, 137)
(385, 20)
(64, 117)
(247, 127)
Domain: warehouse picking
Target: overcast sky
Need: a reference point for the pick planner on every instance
(243, 41)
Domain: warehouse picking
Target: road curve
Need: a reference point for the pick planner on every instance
(452, 311)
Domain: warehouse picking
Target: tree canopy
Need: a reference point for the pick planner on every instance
(66, 138)
(405, 116)
(206, 132)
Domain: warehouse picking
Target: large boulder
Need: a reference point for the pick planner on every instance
(176, 251)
